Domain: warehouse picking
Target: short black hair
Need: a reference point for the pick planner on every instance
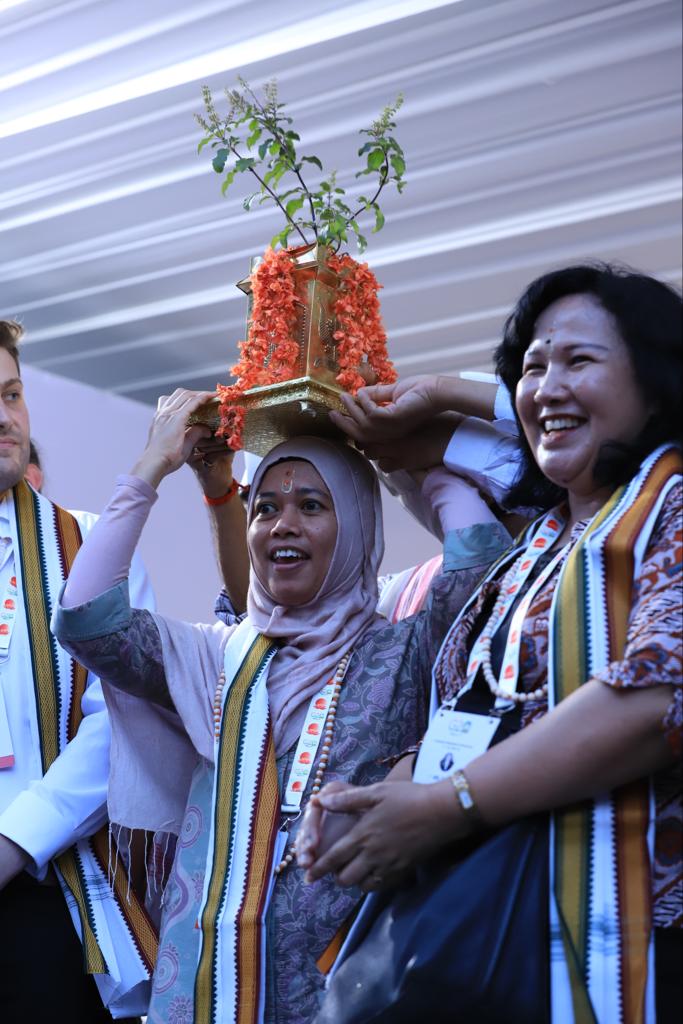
(648, 317)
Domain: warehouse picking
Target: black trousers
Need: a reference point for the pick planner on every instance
(41, 960)
(669, 975)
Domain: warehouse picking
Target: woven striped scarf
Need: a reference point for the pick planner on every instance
(602, 961)
(243, 841)
(118, 937)
(601, 921)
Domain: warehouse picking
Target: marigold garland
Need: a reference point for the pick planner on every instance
(270, 354)
(360, 332)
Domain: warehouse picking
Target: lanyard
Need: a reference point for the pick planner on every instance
(307, 747)
(8, 614)
(549, 531)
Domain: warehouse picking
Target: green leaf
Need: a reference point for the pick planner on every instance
(293, 205)
(366, 148)
(292, 135)
(247, 203)
(229, 178)
(279, 169)
(203, 143)
(379, 220)
(375, 159)
(244, 163)
(362, 240)
(219, 161)
(399, 165)
(281, 237)
(312, 160)
(254, 137)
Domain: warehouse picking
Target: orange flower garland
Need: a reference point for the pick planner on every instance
(360, 331)
(270, 353)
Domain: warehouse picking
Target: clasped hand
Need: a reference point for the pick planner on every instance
(399, 824)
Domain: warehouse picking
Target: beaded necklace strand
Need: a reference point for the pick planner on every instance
(485, 641)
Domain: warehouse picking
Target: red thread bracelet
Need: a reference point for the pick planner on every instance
(230, 493)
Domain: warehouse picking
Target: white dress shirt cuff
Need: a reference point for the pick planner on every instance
(502, 406)
(37, 826)
(485, 453)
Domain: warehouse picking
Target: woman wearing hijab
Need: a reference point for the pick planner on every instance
(221, 733)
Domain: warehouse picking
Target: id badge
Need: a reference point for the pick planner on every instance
(453, 739)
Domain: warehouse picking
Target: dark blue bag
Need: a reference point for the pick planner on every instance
(468, 942)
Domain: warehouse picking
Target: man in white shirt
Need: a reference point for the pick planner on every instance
(54, 763)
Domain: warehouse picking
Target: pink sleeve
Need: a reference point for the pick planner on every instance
(105, 557)
(457, 502)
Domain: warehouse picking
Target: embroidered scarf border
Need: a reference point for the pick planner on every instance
(229, 979)
(59, 714)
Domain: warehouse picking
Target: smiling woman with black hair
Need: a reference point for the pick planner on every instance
(574, 641)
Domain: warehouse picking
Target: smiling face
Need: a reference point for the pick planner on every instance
(14, 424)
(577, 391)
(292, 533)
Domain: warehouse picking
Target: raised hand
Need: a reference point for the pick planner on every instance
(386, 411)
(211, 460)
(170, 440)
(419, 450)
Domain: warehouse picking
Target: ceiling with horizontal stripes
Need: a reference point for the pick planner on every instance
(537, 132)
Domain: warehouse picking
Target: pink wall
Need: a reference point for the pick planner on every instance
(87, 436)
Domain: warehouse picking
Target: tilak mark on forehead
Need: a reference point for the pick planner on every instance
(287, 481)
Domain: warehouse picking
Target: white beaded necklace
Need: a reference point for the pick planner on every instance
(485, 641)
(328, 733)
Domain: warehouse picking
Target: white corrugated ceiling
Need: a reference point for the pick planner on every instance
(536, 131)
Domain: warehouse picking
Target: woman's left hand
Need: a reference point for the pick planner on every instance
(170, 440)
(401, 824)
